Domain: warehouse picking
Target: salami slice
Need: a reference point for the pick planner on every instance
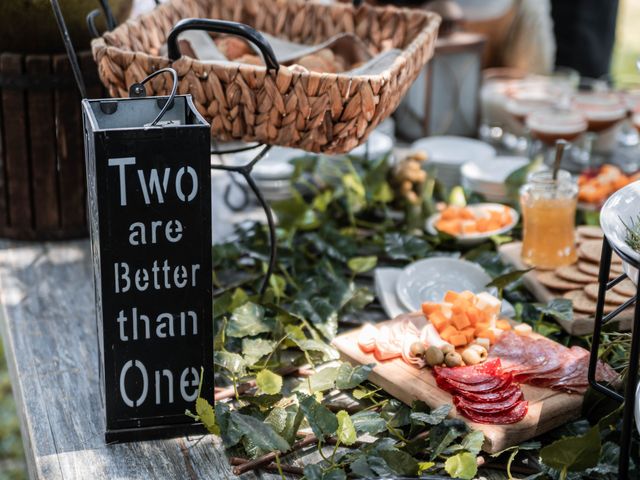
(491, 397)
(494, 383)
(489, 407)
(470, 374)
(513, 415)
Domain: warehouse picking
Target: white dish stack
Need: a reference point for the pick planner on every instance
(447, 154)
(488, 177)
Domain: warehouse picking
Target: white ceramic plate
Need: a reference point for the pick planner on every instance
(429, 279)
(623, 207)
(275, 165)
(476, 238)
(454, 150)
(492, 172)
(379, 144)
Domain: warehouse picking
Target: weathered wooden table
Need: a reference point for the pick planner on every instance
(49, 331)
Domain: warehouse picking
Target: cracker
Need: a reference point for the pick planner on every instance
(591, 250)
(572, 274)
(551, 280)
(593, 269)
(625, 288)
(590, 232)
(583, 304)
(611, 298)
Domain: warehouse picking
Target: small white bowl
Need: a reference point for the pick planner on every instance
(476, 238)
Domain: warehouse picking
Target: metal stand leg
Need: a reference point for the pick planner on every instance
(630, 395)
(632, 375)
(245, 171)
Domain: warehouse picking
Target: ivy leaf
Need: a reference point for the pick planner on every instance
(503, 281)
(424, 466)
(399, 462)
(472, 442)
(573, 453)
(349, 377)
(322, 380)
(346, 431)
(362, 264)
(259, 433)
(254, 349)
(405, 247)
(285, 421)
(368, 422)
(314, 472)
(462, 465)
(443, 434)
(228, 431)
(558, 308)
(327, 351)
(232, 362)
(434, 418)
(207, 415)
(269, 382)
(247, 320)
(322, 421)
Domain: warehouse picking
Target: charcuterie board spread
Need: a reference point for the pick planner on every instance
(502, 378)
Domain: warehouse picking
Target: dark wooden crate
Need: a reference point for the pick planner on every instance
(42, 171)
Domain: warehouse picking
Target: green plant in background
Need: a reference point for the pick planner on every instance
(332, 233)
(11, 454)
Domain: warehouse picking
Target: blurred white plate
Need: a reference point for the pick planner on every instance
(454, 150)
(476, 238)
(428, 280)
(492, 172)
(623, 207)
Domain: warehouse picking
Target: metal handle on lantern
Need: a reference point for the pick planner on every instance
(137, 90)
(222, 26)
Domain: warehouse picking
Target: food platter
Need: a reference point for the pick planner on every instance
(547, 408)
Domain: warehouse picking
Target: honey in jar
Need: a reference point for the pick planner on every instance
(548, 213)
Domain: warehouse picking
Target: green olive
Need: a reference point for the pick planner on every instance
(453, 359)
(417, 349)
(434, 356)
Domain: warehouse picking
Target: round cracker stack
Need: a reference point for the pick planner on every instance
(625, 288)
(583, 304)
(611, 298)
(572, 274)
(590, 232)
(550, 280)
(591, 250)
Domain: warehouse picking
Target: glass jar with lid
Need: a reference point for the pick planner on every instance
(548, 212)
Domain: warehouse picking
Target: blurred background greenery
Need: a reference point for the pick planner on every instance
(623, 71)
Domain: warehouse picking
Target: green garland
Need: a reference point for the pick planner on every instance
(343, 220)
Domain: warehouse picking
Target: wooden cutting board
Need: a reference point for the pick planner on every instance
(581, 324)
(548, 408)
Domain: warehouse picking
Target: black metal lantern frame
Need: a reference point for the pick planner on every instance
(632, 375)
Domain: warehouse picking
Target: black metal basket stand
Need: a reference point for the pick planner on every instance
(632, 376)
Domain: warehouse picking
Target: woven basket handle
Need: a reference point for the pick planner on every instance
(222, 26)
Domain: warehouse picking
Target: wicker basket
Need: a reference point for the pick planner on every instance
(330, 113)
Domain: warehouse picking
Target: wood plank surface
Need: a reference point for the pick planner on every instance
(49, 332)
(42, 135)
(548, 409)
(16, 149)
(581, 324)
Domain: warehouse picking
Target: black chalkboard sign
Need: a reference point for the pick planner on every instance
(150, 215)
